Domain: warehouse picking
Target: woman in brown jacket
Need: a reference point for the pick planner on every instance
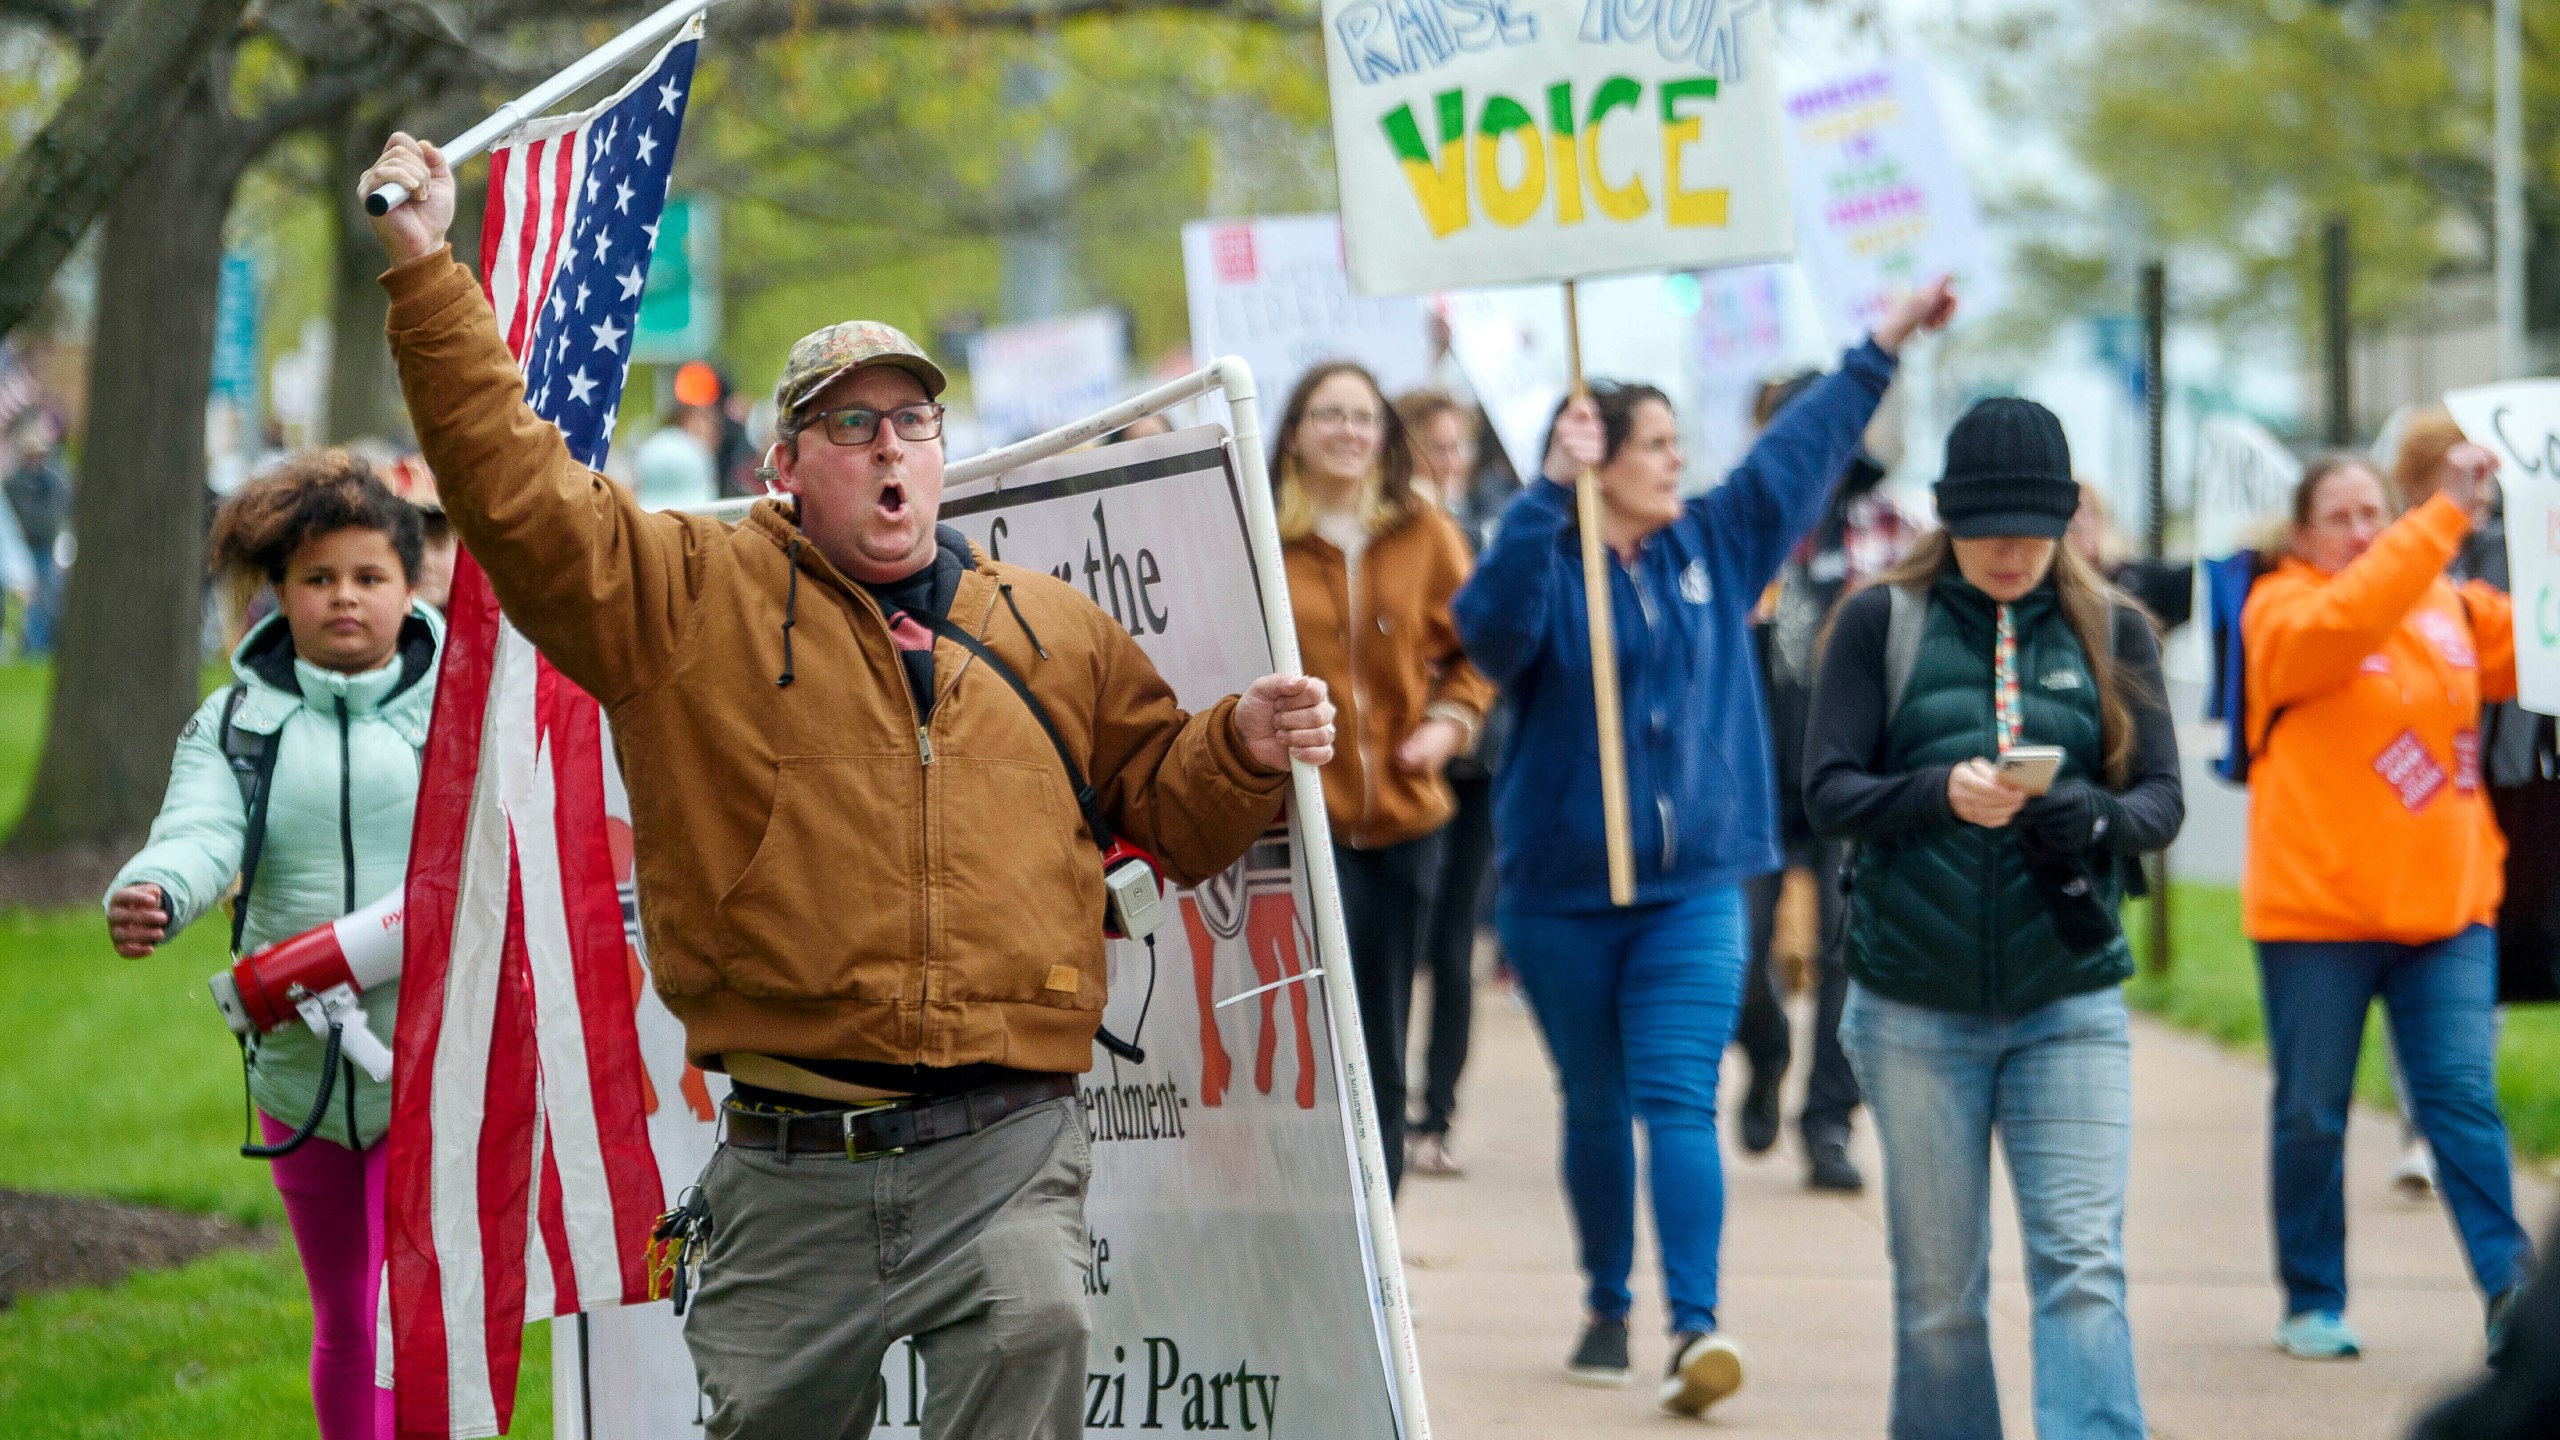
(1371, 569)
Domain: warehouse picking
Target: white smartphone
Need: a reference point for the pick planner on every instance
(2031, 767)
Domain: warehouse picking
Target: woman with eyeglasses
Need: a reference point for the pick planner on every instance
(1372, 566)
(1637, 1001)
(2375, 866)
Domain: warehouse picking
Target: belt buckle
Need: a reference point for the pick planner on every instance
(853, 1150)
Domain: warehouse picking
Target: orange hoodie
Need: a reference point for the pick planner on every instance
(2366, 816)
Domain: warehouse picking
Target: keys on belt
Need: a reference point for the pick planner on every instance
(890, 1129)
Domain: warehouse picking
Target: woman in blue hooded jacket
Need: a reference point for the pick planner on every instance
(1636, 1003)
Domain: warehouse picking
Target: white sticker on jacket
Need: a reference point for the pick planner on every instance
(2450, 638)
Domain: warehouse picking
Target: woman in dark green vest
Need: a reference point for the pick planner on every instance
(1982, 943)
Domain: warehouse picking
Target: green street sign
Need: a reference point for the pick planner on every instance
(680, 307)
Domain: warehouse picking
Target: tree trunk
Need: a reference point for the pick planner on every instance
(132, 613)
(364, 389)
(111, 123)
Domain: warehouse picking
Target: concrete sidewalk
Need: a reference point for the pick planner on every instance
(1497, 1301)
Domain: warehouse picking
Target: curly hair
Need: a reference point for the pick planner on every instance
(260, 527)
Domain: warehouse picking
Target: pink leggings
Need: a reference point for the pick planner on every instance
(333, 1197)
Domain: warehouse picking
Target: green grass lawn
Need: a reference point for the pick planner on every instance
(2212, 987)
(120, 1080)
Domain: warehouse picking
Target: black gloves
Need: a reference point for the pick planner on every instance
(2072, 818)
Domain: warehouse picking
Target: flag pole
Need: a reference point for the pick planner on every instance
(1604, 648)
(532, 103)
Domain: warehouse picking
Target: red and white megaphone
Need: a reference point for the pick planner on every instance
(318, 977)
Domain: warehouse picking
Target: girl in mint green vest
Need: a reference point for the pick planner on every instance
(341, 683)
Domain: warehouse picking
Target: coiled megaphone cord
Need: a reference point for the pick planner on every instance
(319, 1103)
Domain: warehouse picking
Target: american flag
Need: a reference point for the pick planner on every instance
(522, 1182)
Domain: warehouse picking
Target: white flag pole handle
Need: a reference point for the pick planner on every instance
(391, 195)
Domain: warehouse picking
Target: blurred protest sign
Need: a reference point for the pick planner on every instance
(2244, 481)
(1043, 373)
(1510, 343)
(1273, 291)
(1882, 208)
(1488, 142)
(2520, 421)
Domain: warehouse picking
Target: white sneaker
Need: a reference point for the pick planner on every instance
(2414, 1178)
(1704, 1370)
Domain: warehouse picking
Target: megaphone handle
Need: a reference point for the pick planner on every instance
(364, 1047)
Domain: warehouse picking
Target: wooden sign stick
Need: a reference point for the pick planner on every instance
(1604, 649)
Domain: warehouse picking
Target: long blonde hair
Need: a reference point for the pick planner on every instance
(2088, 604)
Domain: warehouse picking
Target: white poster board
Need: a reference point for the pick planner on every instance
(1882, 208)
(1230, 1277)
(2244, 482)
(2520, 421)
(1043, 373)
(1273, 290)
(1510, 344)
(1490, 142)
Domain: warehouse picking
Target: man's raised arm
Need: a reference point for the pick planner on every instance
(595, 581)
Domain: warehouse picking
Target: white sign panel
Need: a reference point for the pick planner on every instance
(1229, 1274)
(1490, 142)
(1510, 344)
(2521, 422)
(1882, 208)
(1041, 374)
(1273, 290)
(2244, 482)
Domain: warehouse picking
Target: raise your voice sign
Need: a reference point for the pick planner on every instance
(2520, 423)
(1489, 142)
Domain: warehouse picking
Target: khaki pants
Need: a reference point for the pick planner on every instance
(974, 1246)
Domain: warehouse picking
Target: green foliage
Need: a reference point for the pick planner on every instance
(2212, 988)
(871, 174)
(2232, 129)
(217, 1348)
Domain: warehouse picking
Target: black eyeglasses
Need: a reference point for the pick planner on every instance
(857, 425)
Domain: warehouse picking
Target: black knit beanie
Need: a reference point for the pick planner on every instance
(2008, 473)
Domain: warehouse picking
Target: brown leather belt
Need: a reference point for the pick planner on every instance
(890, 1129)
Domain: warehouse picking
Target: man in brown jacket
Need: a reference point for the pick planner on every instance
(868, 887)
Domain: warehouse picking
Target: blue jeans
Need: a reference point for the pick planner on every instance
(1636, 1006)
(2441, 1001)
(2056, 1084)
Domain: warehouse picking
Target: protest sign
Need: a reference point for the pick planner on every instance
(1882, 208)
(2520, 421)
(1043, 373)
(1490, 142)
(1510, 343)
(1229, 1273)
(2244, 481)
(1272, 290)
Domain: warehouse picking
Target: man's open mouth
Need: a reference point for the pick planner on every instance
(893, 500)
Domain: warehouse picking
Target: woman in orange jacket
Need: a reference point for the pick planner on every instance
(2375, 866)
(1371, 567)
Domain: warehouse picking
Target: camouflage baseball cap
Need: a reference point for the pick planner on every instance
(822, 355)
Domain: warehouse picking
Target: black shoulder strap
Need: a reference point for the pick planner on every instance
(1086, 800)
(253, 764)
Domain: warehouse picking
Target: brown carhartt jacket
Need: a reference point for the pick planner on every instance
(1387, 655)
(821, 877)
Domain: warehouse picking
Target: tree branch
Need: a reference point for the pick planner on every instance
(749, 21)
(53, 189)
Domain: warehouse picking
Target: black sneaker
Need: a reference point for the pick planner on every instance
(1704, 1369)
(1828, 1167)
(1760, 1113)
(1601, 1359)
